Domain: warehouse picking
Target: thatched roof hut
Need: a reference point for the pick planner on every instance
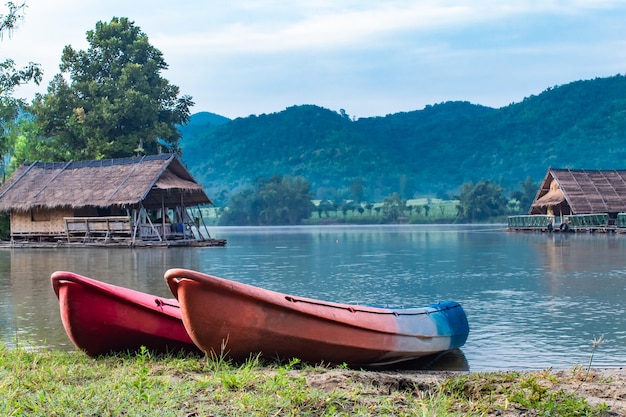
(568, 191)
(104, 198)
(151, 180)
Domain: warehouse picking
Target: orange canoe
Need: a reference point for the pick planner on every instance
(235, 319)
(100, 318)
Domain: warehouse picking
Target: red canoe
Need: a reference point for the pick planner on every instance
(100, 318)
(235, 319)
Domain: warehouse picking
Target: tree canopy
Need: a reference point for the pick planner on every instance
(111, 101)
(274, 201)
(481, 201)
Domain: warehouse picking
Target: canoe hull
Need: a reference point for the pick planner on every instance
(101, 318)
(226, 317)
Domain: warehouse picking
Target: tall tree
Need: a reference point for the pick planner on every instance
(393, 208)
(356, 190)
(111, 100)
(11, 77)
(481, 201)
(274, 201)
(525, 197)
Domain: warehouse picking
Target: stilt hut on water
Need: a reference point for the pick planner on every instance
(130, 201)
(577, 199)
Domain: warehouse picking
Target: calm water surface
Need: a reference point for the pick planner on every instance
(532, 300)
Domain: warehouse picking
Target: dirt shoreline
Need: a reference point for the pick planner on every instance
(596, 386)
(601, 386)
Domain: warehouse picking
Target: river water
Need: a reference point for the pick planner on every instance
(533, 300)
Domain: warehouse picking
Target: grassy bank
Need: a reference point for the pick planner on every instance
(53, 383)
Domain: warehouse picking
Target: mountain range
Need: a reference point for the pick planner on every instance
(427, 152)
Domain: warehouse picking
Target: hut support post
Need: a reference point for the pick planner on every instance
(163, 215)
(156, 232)
(203, 224)
(136, 216)
(196, 224)
(182, 212)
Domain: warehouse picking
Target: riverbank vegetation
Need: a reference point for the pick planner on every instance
(289, 201)
(55, 383)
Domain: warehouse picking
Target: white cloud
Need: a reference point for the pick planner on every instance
(245, 56)
(330, 29)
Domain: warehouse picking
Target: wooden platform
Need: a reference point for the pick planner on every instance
(113, 244)
(111, 231)
(85, 229)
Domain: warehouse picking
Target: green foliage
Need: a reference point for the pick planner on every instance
(480, 202)
(10, 78)
(116, 103)
(201, 121)
(393, 208)
(295, 142)
(425, 152)
(532, 392)
(524, 198)
(356, 190)
(29, 146)
(275, 201)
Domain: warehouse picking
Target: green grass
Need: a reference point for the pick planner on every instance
(54, 383)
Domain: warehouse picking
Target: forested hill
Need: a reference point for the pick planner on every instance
(425, 152)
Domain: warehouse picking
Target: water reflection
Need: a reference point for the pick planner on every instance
(533, 300)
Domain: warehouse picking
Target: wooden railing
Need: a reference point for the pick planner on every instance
(97, 228)
(587, 221)
(159, 231)
(119, 227)
(538, 221)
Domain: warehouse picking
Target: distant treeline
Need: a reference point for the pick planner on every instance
(288, 201)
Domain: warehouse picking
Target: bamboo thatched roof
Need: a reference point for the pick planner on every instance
(151, 180)
(584, 191)
(553, 198)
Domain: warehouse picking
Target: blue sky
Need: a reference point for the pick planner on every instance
(369, 57)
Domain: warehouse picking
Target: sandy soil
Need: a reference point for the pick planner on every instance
(599, 386)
